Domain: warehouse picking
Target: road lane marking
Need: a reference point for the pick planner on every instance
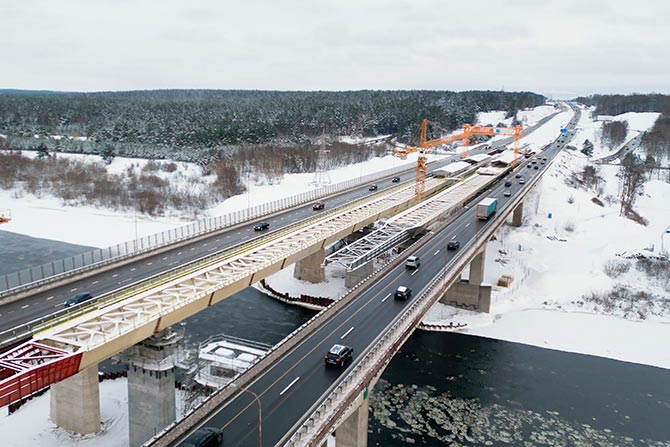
(149, 263)
(133, 269)
(94, 282)
(165, 258)
(178, 253)
(435, 254)
(386, 297)
(415, 272)
(289, 385)
(59, 305)
(72, 290)
(453, 237)
(205, 244)
(25, 306)
(347, 333)
(468, 224)
(49, 297)
(113, 276)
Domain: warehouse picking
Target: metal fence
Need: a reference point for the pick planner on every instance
(38, 275)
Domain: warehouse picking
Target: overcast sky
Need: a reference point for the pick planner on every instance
(558, 48)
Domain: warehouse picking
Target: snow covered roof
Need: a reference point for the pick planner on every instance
(505, 157)
(479, 157)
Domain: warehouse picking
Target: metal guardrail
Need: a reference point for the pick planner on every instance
(36, 276)
(113, 297)
(329, 409)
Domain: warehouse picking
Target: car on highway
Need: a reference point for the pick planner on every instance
(395, 179)
(318, 206)
(338, 355)
(518, 176)
(453, 245)
(508, 183)
(78, 299)
(372, 187)
(205, 437)
(529, 166)
(522, 181)
(413, 262)
(536, 167)
(403, 293)
(507, 193)
(260, 226)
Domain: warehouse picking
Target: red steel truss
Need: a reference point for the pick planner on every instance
(31, 367)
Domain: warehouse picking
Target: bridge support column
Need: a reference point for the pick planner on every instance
(311, 268)
(354, 430)
(75, 402)
(151, 391)
(353, 277)
(471, 293)
(517, 216)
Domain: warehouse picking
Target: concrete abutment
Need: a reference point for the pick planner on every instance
(311, 268)
(75, 402)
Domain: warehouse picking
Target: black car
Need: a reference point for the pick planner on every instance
(205, 437)
(508, 183)
(537, 167)
(453, 245)
(338, 355)
(78, 299)
(318, 206)
(395, 179)
(518, 176)
(529, 166)
(372, 187)
(260, 226)
(403, 293)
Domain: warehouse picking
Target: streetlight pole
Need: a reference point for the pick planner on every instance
(260, 414)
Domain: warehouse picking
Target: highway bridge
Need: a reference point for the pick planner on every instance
(239, 261)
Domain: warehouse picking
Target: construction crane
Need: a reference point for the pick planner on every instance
(5, 216)
(468, 132)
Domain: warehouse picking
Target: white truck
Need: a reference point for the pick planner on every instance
(486, 207)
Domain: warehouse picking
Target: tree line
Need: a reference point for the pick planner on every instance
(190, 124)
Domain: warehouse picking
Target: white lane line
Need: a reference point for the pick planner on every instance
(227, 236)
(347, 333)
(415, 272)
(115, 275)
(165, 258)
(289, 385)
(49, 297)
(435, 254)
(211, 249)
(133, 269)
(216, 240)
(149, 263)
(468, 224)
(25, 306)
(59, 305)
(72, 290)
(94, 283)
(453, 237)
(178, 253)
(193, 249)
(386, 297)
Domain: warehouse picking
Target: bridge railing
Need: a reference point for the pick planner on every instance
(330, 409)
(16, 282)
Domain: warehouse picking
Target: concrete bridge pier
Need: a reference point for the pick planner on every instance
(75, 402)
(151, 389)
(311, 268)
(353, 277)
(517, 215)
(471, 292)
(353, 432)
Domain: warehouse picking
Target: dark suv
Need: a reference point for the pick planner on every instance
(338, 355)
(395, 179)
(372, 187)
(260, 226)
(453, 245)
(403, 293)
(318, 206)
(205, 437)
(78, 299)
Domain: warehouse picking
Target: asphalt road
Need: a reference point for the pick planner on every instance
(288, 389)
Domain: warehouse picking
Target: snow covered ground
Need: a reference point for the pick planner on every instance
(528, 117)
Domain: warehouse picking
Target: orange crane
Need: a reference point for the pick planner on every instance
(468, 132)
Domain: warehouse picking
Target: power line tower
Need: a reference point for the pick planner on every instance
(321, 176)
